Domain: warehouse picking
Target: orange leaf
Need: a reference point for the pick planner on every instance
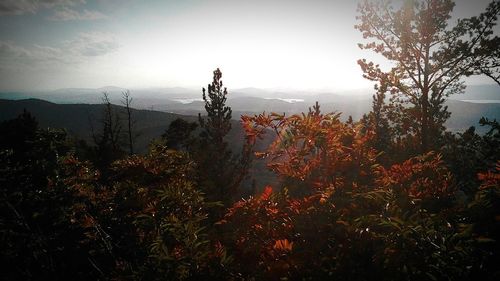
(268, 190)
(283, 245)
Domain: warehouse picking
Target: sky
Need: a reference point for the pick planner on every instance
(281, 44)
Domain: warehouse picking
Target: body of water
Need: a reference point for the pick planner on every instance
(286, 100)
(482, 101)
(187, 101)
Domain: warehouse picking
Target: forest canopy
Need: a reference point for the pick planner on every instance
(392, 196)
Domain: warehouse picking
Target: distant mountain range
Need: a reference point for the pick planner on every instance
(188, 102)
(182, 99)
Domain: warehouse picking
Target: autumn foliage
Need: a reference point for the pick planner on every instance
(353, 215)
(337, 208)
(393, 196)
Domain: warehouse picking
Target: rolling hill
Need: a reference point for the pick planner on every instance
(78, 119)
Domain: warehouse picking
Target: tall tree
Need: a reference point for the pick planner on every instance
(108, 141)
(428, 58)
(220, 172)
(218, 121)
(127, 101)
(111, 126)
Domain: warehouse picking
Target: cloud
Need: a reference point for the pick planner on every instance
(18, 7)
(9, 50)
(67, 14)
(15, 55)
(47, 54)
(83, 48)
(51, 3)
(93, 44)
(21, 7)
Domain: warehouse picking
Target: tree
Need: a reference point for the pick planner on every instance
(18, 134)
(38, 241)
(127, 101)
(491, 66)
(377, 121)
(220, 172)
(108, 142)
(112, 127)
(178, 135)
(218, 122)
(470, 153)
(428, 58)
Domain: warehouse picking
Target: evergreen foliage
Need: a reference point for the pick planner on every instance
(178, 135)
(220, 172)
(354, 200)
(428, 58)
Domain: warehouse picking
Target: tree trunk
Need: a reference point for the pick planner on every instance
(130, 141)
(424, 131)
(425, 102)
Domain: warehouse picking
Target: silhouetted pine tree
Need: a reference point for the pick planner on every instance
(377, 121)
(220, 172)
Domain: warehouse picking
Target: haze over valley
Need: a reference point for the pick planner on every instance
(477, 101)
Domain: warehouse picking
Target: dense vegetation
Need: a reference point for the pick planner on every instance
(393, 196)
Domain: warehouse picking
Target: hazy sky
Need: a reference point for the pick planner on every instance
(50, 44)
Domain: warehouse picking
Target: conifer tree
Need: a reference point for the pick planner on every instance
(220, 171)
(218, 121)
(428, 58)
(377, 120)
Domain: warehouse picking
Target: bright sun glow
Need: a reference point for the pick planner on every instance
(260, 61)
(266, 50)
(277, 44)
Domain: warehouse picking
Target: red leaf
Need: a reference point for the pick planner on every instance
(268, 190)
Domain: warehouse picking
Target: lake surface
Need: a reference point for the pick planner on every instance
(482, 101)
(286, 100)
